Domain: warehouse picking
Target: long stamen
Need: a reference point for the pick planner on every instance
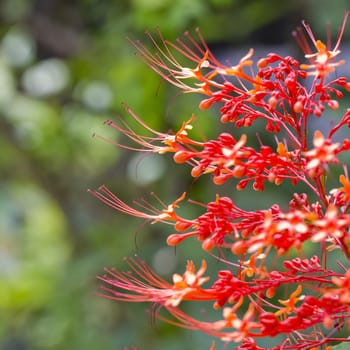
(341, 31)
(109, 198)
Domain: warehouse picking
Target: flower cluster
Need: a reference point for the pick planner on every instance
(286, 96)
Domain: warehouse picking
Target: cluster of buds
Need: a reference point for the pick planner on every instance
(286, 95)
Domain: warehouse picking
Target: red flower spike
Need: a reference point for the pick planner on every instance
(263, 292)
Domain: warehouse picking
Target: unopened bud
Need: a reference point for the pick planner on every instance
(181, 157)
(272, 102)
(333, 104)
(239, 248)
(196, 171)
(175, 239)
(220, 179)
(208, 244)
(298, 107)
(206, 104)
(238, 171)
(270, 293)
(181, 226)
(225, 118)
(262, 63)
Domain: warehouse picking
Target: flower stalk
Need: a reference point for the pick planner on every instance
(287, 96)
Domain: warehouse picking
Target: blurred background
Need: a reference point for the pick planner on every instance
(65, 67)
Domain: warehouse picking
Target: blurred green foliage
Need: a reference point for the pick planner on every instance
(65, 66)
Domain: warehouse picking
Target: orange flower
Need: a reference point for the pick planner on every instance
(290, 302)
(322, 60)
(324, 151)
(188, 283)
(144, 285)
(346, 187)
(341, 289)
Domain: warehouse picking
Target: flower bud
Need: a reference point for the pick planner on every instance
(206, 104)
(262, 63)
(182, 156)
(272, 102)
(208, 244)
(333, 104)
(239, 248)
(225, 118)
(196, 171)
(181, 226)
(298, 107)
(175, 239)
(220, 179)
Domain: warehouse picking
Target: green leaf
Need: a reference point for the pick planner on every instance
(341, 346)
